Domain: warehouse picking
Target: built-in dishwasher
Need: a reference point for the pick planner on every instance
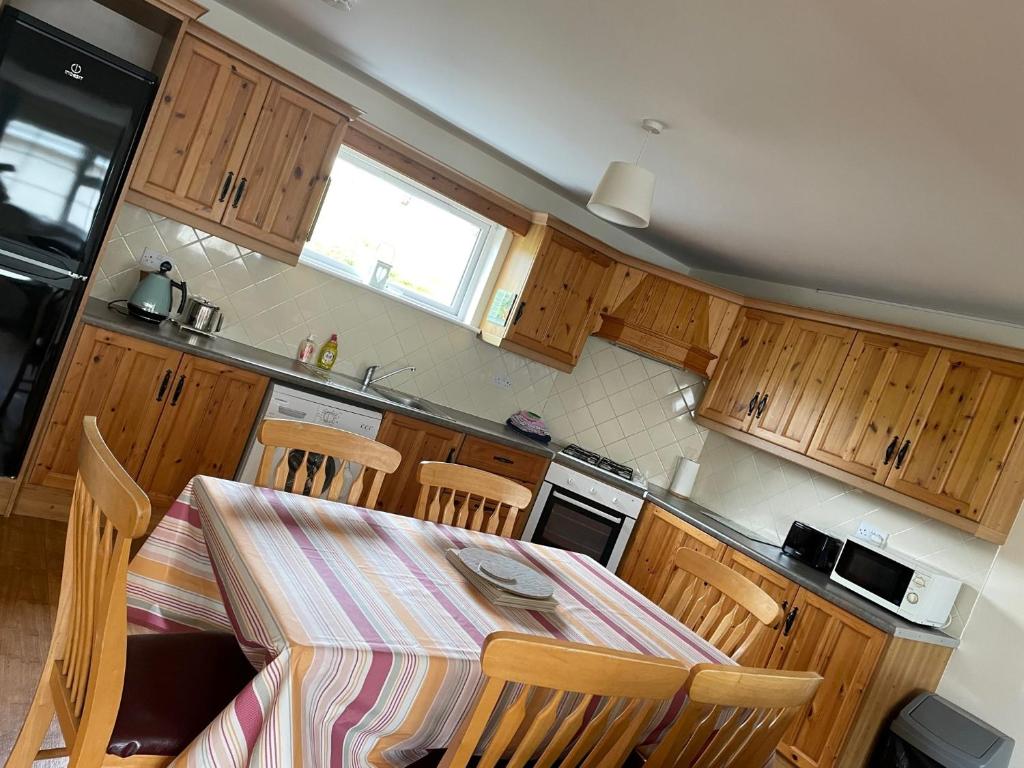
(286, 403)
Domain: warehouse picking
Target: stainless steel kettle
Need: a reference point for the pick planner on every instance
(152, 299)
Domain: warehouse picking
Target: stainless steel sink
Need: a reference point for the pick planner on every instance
(410, 401)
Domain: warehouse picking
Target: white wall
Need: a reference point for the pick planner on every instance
(986, 674)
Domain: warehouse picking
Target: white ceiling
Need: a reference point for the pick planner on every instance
(871, 148)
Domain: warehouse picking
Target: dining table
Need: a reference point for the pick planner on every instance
(364, 638)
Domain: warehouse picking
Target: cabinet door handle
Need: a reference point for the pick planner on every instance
(451, 456)
(902, 455)
(163, 385)
(227, 187)
(519, 313)
(503, 460)
(177, 391)
(319, 209)
(790, 620)
(753, 402)
(891, 450)
(762, 405)
(239, 192)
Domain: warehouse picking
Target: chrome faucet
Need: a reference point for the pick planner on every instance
(369, 379)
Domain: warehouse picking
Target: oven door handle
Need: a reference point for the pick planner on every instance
(591, 510)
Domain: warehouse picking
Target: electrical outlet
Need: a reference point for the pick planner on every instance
(872, 535)
(152, 259)
(502, 382)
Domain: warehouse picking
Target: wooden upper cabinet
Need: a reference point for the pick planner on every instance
(201, 129)
(561, 299)
(801, 381)
(647, 563)
(959, 444)
(842, 649)
(667, 320)
(417, 441)
(283, 180)
(122, 381)
(749, 359)
(239, 147)
(211, 409)
(869, 411)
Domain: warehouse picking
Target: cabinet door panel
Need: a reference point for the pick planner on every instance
(872, 404)
(211, 410)
(961, 434)
(803, 378)
(201, 130)
(646, 565)
(283, 178)
(561, 299)
(844, 651)
(417, 441)
(118, 379)
(743, 372)
(782, 590)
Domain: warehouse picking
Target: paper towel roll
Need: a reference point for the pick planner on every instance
(684, 478)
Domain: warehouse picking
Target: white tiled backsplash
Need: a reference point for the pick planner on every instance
(766, 494)
(615, 402)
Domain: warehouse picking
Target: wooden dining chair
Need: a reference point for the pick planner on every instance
(295, 458)
(567, 704)
(119, 700)
(734, 717)
(448, 491)
(723, 607)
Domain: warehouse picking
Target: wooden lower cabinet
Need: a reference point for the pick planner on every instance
(525, 468)
(658, 535)
(204, 428)
(868, 674)
(779, 587)
(167, 416)
(842, 649)
(417, 441)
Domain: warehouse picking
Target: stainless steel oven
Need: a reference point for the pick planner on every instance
(576, 512)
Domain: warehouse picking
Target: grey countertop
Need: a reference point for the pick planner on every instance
(803, 575)
(293, 373)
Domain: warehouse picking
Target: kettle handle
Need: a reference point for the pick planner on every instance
(183, 287)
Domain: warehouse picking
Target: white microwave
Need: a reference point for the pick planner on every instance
(917, 593)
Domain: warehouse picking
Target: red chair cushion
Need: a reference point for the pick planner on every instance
(174, 686)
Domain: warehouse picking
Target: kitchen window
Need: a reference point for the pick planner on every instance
(386, 231)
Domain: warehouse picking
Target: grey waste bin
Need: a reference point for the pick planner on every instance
(931, 732)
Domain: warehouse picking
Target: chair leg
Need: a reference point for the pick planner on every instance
(37, 722)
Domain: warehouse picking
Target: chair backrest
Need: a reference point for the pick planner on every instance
(108, 511)
(597, 700)
(726, 609)
(734, 717)
(301, 452)
(469, 498)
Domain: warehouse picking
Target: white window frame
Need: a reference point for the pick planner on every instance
(485, 251)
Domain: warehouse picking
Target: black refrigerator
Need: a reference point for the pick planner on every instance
(70, 119)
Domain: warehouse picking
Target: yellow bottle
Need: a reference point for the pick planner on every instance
(328, 353)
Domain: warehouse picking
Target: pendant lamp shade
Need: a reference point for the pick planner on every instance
(624, 195)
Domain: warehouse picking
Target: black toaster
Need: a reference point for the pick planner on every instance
(811, 546)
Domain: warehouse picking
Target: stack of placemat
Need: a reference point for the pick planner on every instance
(504, 581)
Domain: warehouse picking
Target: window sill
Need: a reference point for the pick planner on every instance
(314, 263)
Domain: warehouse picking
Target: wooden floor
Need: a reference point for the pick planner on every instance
(31, 552)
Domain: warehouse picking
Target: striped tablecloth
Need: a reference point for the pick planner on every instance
(366, 638)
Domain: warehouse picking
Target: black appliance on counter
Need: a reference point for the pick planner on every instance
(811, 546)
(70, 120)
